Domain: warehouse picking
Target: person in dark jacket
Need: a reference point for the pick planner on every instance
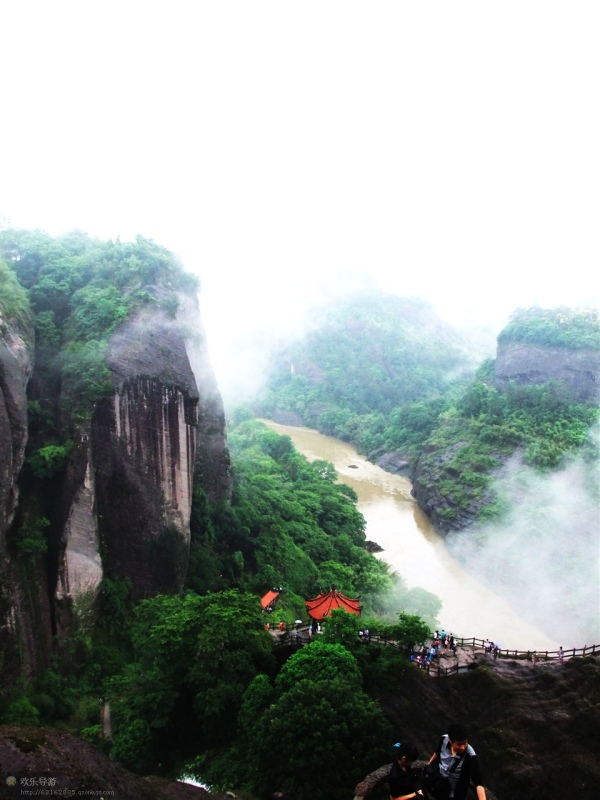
(402, 778)
(458, 766)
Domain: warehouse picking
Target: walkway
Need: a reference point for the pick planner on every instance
(469, 653)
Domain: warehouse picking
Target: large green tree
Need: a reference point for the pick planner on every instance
(315, 732)
(193, 659)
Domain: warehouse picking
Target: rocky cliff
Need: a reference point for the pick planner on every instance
(16, 362)
(158, 434)
(519, 718)
(452, 476)
(528, 363)
(122, 503)
(430, 470)
(58, 764)
(24, 604)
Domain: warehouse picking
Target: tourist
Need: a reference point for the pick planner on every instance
(402, 779)
(561, 654)
(458, 767)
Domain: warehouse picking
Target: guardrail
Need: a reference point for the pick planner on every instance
(546, 655)
(298, 635)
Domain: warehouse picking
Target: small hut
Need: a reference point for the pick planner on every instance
(322, 605)
(269, 599)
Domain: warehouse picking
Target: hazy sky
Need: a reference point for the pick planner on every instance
(451, 149)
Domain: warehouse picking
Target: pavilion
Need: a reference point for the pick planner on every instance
(322, 605)
(267, 601)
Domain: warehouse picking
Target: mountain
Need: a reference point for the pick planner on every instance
(535, 404)
(109, 417)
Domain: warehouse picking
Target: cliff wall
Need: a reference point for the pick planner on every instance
(529, 364)
(122, 504)
(16, 363)
(129, 493)
(24, 605)
(576, 373)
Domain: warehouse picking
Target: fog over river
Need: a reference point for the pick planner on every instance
(415, 551)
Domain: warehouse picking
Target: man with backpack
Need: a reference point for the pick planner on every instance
(453, 766)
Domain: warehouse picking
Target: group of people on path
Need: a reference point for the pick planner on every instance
(428, 653)
(448, 774)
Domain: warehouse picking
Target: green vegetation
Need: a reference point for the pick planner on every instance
(380, 373)
(375, 371)
(555, 327)
(289, 524)
(485, 427)
(316, 709)
(14, 302)
(80, 290)
(196, 673)
(194, 679)
(193, 659)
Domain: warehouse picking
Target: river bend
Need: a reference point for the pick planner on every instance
(415, 550)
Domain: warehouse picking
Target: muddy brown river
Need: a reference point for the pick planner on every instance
(415, 551)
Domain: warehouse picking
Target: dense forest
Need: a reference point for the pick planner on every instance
(179, 670)
(386, 375)
(192, 678)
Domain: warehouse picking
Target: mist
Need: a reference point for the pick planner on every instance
(544, 556)
(243, 336)
(449, 149)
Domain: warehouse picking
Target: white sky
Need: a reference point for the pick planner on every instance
(451, 149)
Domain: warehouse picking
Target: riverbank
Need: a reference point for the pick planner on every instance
(413, 549)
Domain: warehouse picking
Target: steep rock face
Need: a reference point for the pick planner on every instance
(529, 364)
(525, 364)
(212, 469)
(80, 565)
(128, 490)
(24, 606)
(518, 717)
(15, 371)
(446, 515)
(143, 445)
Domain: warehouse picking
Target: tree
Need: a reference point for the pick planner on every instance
(327, 733)
(340, 627)
(193, 659)
(321, 661)
(410, 630)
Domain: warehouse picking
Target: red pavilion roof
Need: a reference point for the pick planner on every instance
(269, 597)
(324, 604)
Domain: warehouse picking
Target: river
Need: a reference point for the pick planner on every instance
(415, 551)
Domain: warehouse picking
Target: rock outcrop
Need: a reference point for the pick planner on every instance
(519, 717)
(529, 364)
(16, 363)
(427, 490)
(54, 763)
(129, 487)
(24, 605)
(574, 372)
(122, 504)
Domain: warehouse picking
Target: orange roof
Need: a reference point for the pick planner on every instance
(324, 604)
(269, 597)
